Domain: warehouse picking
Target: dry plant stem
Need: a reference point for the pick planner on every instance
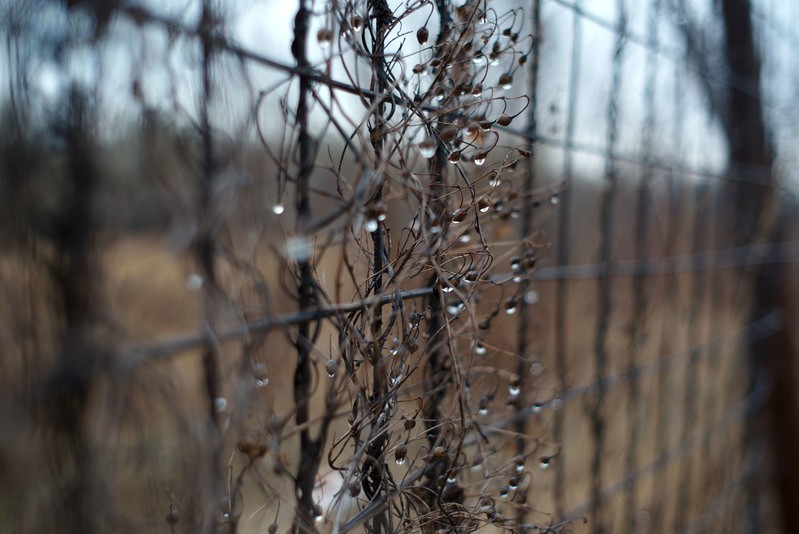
(72, 383)
(525, 311)
(436, 329)
(375, 481)
(204, 252)
(310, 448)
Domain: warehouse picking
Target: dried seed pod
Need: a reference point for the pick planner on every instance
(504, 119)
(422, 35)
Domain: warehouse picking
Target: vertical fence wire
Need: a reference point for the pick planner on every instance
(641, 251)
(564, 244)
(596, 406)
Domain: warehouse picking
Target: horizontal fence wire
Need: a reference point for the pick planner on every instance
(676, 55)
(754, 463)
(746, 409)
(750, 333)
(738, 258)
(734, 258)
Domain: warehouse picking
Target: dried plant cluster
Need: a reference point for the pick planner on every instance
(432, 232)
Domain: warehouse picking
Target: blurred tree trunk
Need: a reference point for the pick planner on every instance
(755, 219)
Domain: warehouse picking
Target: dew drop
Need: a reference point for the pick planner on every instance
(447, 289)
(480, 349)
(483, 205)
(454, 156)
(556, 404)
(278, 209)
(506, 81)
(396, 378)
(483, 411)
(536, 408)
(478, 59)
(325, 37)
(194, 282)
(532, 297)
(400, 454)
(332, 368)
(298, 248)
(220, 404)
(465, 238)
(356, 23)
(452, 479)
(454, 308)
(479, 158)
(545, 462)
(554, 199)
(370, 225)
(514, 391)
(510, 309)
(427, 148)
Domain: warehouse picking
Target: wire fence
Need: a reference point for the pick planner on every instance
(528, 300)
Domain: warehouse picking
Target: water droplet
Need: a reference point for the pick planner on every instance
(556, 404)
(483, 411)
(484, 205)
(325, 37)
(479, 158)
(454, 308)
(506, 81)
(332, 368)
(277, 209)
(510, 309)
(504, 120)
(520, 468)
(545, 462)
(427, 148)
(464, 238)
(513, 483)
(516, 265)
(220, 404)
(452, 479)
(536, 368)
(318, 514)
(396, 378)
(298, 248)
(447, 289)
(480, 349)
(478, 59)
(494, 61)
(503, 492)
(536, 408)
(477, 91)
(554, 199)
(532, 296)
(356, 23)
(514, 391)
(454, 156)
(194, 282)
(400, 454)
(370, 225)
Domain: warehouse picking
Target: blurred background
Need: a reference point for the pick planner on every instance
(248, 245)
